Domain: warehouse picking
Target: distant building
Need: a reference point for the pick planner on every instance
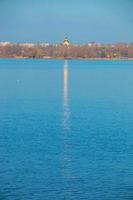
(5, 43)
(92, 44)
(44, 44)
(28, 45)
(66, 42)
(89, 44)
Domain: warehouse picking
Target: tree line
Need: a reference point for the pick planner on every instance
(120, 50)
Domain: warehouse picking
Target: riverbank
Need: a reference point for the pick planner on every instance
(66, 58)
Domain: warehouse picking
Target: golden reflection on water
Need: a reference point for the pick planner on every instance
(66, 111)
(67, 172)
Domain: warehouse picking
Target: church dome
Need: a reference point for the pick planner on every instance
(66, 41)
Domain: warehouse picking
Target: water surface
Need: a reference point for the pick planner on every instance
(66, 130)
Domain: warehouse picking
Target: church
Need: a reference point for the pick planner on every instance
(66, 42)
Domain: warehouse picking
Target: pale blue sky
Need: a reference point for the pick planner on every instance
(81, 20)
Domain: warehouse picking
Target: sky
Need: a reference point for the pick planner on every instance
(82, 21)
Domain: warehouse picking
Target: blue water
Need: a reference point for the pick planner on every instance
(66, 130)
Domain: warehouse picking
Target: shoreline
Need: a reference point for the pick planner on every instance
(65, 58)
